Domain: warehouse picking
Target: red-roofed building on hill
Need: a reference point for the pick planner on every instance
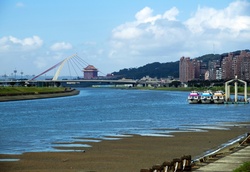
(90, 72)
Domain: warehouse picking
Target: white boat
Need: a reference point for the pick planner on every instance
(207, 97)
(194, 97)
(219, 97)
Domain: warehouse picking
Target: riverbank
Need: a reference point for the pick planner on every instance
(126, 154)
(38, 95)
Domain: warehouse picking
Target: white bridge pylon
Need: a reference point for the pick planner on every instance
(61, 66)
(74, 61)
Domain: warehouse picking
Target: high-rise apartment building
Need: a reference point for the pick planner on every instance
(214, 70)
(236, 65)
(233, 64)
(189, 69)
(186, 71)
(245, 68)
(227, 67)
(244, 65)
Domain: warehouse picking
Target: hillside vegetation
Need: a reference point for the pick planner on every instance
(159, 70)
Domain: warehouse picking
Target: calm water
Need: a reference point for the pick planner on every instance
(35, 125)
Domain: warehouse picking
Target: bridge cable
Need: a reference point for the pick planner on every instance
(73, 66)
(80, 59)
(47, 70)
(75, 59)
(69, 69)
(88, 64)
(77, 64)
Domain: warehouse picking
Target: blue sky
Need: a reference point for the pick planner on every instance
(112, 34)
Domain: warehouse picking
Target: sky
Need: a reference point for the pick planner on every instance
(113, 35)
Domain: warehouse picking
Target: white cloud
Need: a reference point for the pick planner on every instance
(61, 46)
(150, 37)
(171, 14)
(162, 37)
(125, 32)
(19, 4)
(11, 43)
(234, 18)
(145, 16)
(40, 63)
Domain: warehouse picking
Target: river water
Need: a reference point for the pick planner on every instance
(36, 125)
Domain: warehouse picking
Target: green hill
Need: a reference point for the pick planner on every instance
(156, 69)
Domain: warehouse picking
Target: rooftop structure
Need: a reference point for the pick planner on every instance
(90, 72)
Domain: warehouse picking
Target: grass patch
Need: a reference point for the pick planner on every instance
(27, 90)
(243, 168)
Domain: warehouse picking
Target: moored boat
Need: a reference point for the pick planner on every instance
(207, 97)
(219, 97)
(194, 97)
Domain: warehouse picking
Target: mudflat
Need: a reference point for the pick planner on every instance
(128, 154)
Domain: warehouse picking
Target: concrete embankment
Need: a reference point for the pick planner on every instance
(70, 92)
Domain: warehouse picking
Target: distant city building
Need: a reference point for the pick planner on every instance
(186, 69)
(236, 65)
(245, 67)
(197, 68)
(207, 75)
(90, 72)
(227, 67)
(190, 69)
(202, 71)
(218, 74)
(214, 69)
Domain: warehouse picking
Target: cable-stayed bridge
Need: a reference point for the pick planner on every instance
(75, 65)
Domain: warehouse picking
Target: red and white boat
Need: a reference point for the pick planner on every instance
(194, 97)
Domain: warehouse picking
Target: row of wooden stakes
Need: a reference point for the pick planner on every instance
(176, 165)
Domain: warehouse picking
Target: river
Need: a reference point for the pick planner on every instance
(36, 125)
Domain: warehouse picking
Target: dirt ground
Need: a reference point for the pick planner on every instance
(129, 154)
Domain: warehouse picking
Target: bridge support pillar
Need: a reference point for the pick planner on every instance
(235, 91)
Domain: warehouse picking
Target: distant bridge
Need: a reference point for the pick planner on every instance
(74, 59)
(79, 63)
(81, 83)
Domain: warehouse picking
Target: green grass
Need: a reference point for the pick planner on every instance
(35, 90)
(243, 168)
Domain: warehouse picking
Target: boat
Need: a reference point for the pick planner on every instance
(207, 97)
(219, 97)
(194, 97)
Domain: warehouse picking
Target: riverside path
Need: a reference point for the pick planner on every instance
(229, 162)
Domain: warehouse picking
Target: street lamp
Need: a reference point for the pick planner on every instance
(5, 76)
(15, 71)
(21, 74)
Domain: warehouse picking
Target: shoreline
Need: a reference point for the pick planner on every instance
(127, 154)
(71, 92)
